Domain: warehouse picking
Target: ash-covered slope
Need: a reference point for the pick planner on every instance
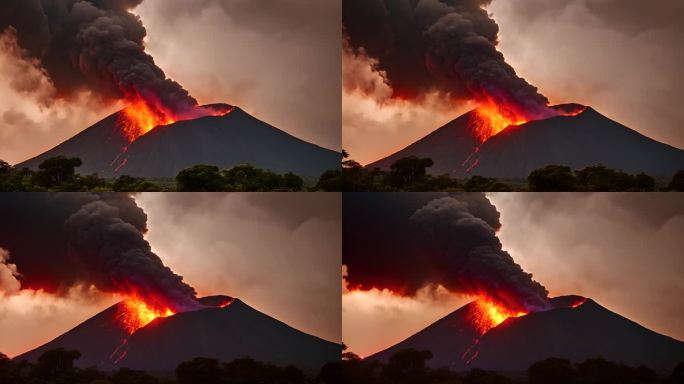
(225, 141)
(234, 331)
(588, 138)
(587, 331)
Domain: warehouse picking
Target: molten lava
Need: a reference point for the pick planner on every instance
(134, 314)
(578, 302)
(488, 314)
(139, 118)
(490, 118)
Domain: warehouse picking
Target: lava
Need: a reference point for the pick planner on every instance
(578, 302)
(141, 116)
(138, 118)
(489, 119)
(488, 314)
(134, 314)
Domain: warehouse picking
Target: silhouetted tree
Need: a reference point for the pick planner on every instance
(598, 178)
(485, 184)
(330, 181)
(677, 182)
(200, 178)
(57, 364)
(5, 167)
(56, 171)
(199, 370)
(552, 370)
(552, 178)
(409, 172)
(644, 182)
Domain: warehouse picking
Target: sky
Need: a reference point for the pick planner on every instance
(623, 250)
(279, 61)
(619, 56)
(279, 253)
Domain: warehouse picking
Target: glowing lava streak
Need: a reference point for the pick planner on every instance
(488, 314)
(139, 118)
(491, 119)
(134, 314)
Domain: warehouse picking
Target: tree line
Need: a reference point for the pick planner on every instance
(58, 174)
(411, 174)
(409, 367)
(58, 367)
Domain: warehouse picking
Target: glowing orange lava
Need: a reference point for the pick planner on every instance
(488, 314)
(491, 119)
(578, 302)
(134, 314)
(139, 118)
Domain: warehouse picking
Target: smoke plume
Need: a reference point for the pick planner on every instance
(59, 241)
(94, 45)
(404, 242)
(444, 45)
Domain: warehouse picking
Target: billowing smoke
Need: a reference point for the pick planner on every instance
(94, 45)
(58, 241)
(444, 45)
(404, 242)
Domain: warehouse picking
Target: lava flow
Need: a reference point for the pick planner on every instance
(488, 314)
(134, 314)
(489, 119)
(140, 117)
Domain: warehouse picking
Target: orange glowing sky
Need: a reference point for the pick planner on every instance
(616, 56)
(280, 63)
(279, 253)
(620, 249)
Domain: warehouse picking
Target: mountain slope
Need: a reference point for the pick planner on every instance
(588, 138)
(227, 333)
(587, 331)
(225, 141)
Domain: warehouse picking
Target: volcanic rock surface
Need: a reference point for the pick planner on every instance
(227, 333)
(586, 139)
(224, 141)
(577, 334)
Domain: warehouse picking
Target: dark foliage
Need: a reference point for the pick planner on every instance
(57, 367)
(409, 367)
(58, 174)
(410, 174)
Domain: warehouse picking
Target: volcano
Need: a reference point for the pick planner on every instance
(226, 329)
(225, 141)
(571, 330)
(581, 140)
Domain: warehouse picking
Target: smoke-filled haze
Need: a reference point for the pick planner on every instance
(622, 250)
(617, 56)
(61, 66)
(278, 253)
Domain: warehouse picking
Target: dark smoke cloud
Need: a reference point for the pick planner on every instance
(445, 45)
(404, 242)
(94, 45)
(58, 241)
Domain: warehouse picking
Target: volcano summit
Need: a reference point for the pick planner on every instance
(226, 138)
(576, 329)
(226, 329)
(576, 140)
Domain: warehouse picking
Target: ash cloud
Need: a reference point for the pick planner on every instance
(60, 241)
(443, 45)
(94, 45)
(404, 242)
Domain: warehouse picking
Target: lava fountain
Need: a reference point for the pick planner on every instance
(491, 118)
(134, 314)
(487, 314)
(141, 116)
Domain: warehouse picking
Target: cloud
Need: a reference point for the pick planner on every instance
(280, 253)
(9, 284)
